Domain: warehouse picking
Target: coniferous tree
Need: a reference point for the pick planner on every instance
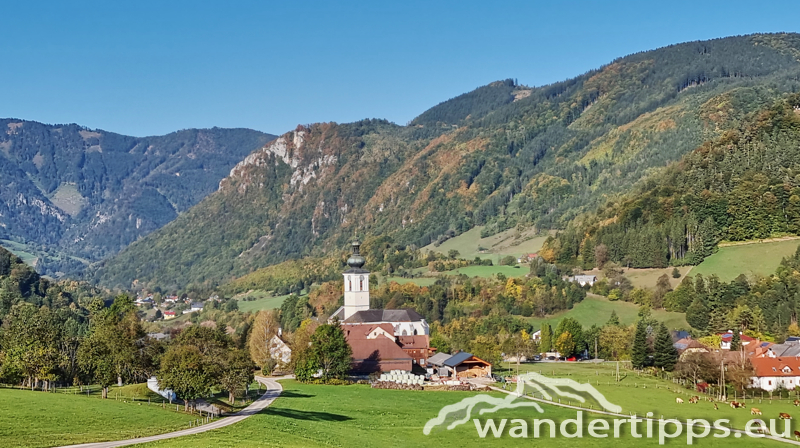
(666, 355)
(613, 320)
(697, 314)
(736, 340)
(639, 349)
(546, 338)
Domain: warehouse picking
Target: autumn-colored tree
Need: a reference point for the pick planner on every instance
(265, 326)
(565, 345)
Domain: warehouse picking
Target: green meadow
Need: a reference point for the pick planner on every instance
(509, 242)
(261, 300)
(751, 259)
(597, 310)
(356, 415)
(38, 419)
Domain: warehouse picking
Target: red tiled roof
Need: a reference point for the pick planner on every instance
(382, 347)
(775, 366)
(744, 338)
(411, 342)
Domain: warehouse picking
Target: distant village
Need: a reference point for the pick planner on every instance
(396, 343)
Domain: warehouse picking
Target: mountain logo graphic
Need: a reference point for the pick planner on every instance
(459, 413)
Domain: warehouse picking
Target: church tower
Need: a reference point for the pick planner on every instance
(356, 283)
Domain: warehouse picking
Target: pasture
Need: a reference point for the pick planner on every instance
(752, 259)
(38, 419)
(640, 394)
(597, 310)
(509, 242)
(356, 415)
(488, 271)
(261, 300)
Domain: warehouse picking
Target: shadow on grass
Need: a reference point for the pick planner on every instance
(308, 415)
(294, 394)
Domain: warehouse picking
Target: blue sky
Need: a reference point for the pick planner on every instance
(145, 68)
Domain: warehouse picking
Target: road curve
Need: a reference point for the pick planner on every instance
(273, 391)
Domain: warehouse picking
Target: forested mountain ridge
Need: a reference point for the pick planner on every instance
(500, 156)
(89, 193)
(740, 186)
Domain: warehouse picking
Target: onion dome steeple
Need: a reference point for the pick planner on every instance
(356, 261)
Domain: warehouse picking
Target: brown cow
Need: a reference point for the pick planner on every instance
(715, 406)
(797, 402)
(785, 416)
(736, 404)
(796, 434)
(755, 411)
(694, 399)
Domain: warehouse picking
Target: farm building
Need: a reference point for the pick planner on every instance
(727, 338)
(467, 365)
(376, 349)
(418, 347)
(583, 280)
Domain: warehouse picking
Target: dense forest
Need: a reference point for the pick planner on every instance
(742, 185)
(73, 195)
(503, 155)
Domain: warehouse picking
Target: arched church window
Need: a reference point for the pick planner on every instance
(349, 284)
(405, 333)
(415, 332)
(361, 283)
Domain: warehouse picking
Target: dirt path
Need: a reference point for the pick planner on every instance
(273, 391)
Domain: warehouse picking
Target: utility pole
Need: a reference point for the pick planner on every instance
(618, 371)
(595, 348)
(722, 391)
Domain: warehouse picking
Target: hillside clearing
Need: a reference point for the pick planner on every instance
(750, 259)
(596, 310)
(261, 300)
(509, 242)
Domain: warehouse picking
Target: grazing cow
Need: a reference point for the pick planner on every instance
(796, 434)
(679, 400)
(762, 427)
(715, 406)
(736, 404)
(755, 411)
(694, 399)
(785, 416)
(797, 402)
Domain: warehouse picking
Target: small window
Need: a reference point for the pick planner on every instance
(349, 284)
(770, 382)
(361, 283)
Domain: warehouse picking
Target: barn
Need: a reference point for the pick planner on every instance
(467, 365)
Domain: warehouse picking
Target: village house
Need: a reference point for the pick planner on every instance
(583, 280)
(527, 258)
(687, 345)
(376, 349)
(279, 350)
(417, 347)
(169, 314)
(776, 373)
(727, 338)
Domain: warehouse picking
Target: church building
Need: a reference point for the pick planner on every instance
(397, 338)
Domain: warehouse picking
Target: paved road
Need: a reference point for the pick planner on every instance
(273, 390)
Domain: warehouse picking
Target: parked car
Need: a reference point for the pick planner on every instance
(551, 358)
(537, 358)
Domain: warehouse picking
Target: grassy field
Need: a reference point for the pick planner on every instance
(596, 310)
(488, 271)
(38, 419)
(263, 301)
(642, 394)
(509, 242)
(309, 415)
(749, 259)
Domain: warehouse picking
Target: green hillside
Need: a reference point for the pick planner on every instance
(752, 259)
(743, 185)
(502, 156)
(596, 310)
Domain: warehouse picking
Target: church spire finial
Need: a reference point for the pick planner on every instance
(356, 261)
